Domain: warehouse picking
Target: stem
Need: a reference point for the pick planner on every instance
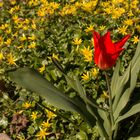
(110, 104)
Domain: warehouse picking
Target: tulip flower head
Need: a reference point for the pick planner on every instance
(106, 52)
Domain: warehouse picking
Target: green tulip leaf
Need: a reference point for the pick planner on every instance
(134, 109)
(114, 80)
(128, 84)
(33, 81)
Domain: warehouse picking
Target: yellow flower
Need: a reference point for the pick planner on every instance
(13, 2)
(1, 56)
(128, 22)
(1, 40)
(88, 6)
(32, 45)
(54, 5)
(42, 69)
(135, 39)
(117, 12)
(1, 3)
(4, 26)
(8, 41)
(130, 13)
(122, 30)
(26, 28)
(85, 76)
(102, 27)
(11, 59)
(26, 105)
(105, 95)
(33, 37)
(77, 41)
(33, 25)
(50, 115)
(68, 10)
(90, 28)
(55, 56)
(42, 134)
(23, 38)
(34, 116)
(94, 72)
(16, 19)
(41, 12)
(46, 125)
(87, 54)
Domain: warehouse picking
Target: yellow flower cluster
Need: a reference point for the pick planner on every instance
(87, 53)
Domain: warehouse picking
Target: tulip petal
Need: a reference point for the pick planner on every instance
(96, 38)
(108, 44)
(120, 43)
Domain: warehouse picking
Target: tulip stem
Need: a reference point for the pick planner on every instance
(110, 103)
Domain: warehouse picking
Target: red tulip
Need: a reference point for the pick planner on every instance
(106, 52)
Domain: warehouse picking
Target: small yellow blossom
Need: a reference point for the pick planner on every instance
(90, 28)
(34, 116)
(54, 5)
(128, 22)
(8, 41)
(77, 41)
(32, 45)
(33, 25)
(135, 39)
(122, 30)
(68, 10)
(1, 40)
(102, 27)
(1, 3)
(42, 69)
(1, 56)
(138, 28)
(94, 72)
(85, 76)
(41, 12)
(46, 125)
(33, 37)
(11, 59)
(26, 21)
(105, 95)
(55, 56)
(23, 38)
(130, 14)
(4, 26)
(26, 105)
(42, 134)
(50, 115)
(19, 47)
(16, 19)
(87, 52)
(13, 2)
(88, 6)
(25, 27)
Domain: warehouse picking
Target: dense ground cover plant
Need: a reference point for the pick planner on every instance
(31, 32)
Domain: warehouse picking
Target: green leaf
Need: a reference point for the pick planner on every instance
(105, 116)
(134, 138)
(81, 136)
(129, 84)
(121, 83)
(114, 80)
(134, 109)
(100, 121)
(33, 81)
